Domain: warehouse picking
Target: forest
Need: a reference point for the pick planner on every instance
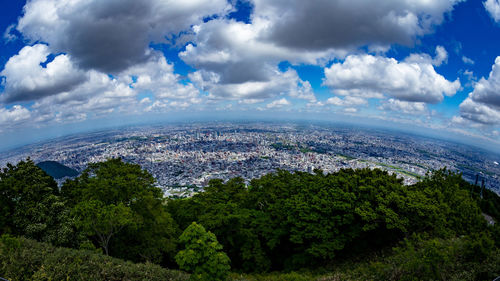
(112, 223)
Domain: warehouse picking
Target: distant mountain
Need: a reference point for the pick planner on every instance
(57, 170)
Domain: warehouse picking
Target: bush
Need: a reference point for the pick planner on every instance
(23, 259)
(465, 258)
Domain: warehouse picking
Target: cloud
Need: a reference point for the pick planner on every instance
(479, 112)
(238, 56)
(278, 103)
(404, 106)
(373, 76)
(102, 94)
(350, 110)
(91, 58)
(325, 24)
(467, 60)
(278, 83)
(233, 51)
(493, 8)
(347, 101)
(7, 35)
(157, 76)
(98, 96)
(487, 91)
(483, 103)
(113, 35)
(13, 116)
(441, 56)
(26, 79)
(250, 101)
(422, 58)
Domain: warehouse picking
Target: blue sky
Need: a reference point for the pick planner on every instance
(425, 66)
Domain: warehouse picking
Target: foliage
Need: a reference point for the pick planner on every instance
(293, 220)
(281, 221)
(103, 221)
(30, 205)
(118, 206)
(203, 256)
(23, 259)
(438, 259)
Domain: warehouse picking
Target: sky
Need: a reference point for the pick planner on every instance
(69, 66)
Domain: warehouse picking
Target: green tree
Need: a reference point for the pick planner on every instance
(30, 206)
(143, 229)
(203, 256)
(103, 221)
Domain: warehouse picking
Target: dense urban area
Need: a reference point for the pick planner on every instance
(183, 158)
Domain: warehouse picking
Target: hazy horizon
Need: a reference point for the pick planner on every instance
(340, 124)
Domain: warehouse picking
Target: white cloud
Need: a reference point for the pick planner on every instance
(321, 25)
(368, 76)
(483, 103)
(286, 83)
(158, 77)
(234, 52)
(250, 101)
(347, 101)
(111, 35)
(487, 91)
(26, 79)
(479, 112)
(441, 56)
(13, 116)
(404, 106)
(467, 60)
(7, 35)
(235, 57)
(278, 103)
(493, 8)
(98, 96)
(233, 61)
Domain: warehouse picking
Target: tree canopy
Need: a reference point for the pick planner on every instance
(118, 205)
(283, 220)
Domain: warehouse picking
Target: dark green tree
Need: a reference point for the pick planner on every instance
(141, 228)
(103, 221)
(31, 206)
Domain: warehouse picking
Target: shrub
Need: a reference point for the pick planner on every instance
(23, 259)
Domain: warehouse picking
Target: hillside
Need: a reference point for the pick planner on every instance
(57, 170)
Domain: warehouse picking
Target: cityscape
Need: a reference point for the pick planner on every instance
(183, 158)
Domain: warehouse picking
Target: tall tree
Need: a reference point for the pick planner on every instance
(141, 228)
(31, 206)
(103, 221)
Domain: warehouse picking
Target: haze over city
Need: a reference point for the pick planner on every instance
(424, 66)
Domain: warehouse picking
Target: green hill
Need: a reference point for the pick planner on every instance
(57, 170)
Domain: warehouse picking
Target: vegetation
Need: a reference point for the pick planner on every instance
(202, 256)
(23, 259)
(117, 206)
(350, 225)
(294, 220)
